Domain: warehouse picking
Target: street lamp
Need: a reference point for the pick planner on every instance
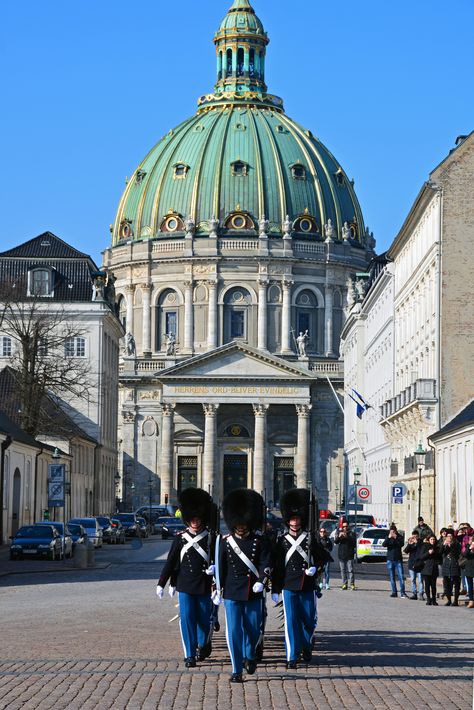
(420, 456)
(357, 474)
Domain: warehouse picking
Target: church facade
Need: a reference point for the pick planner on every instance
(233, 247)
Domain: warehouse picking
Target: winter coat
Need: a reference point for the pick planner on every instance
(464, 539)
(424, 531)
(346, 546)
(413, 551)
(469, 566)
(450, 555)
(431, 561)
(394, 548)
(327, 543)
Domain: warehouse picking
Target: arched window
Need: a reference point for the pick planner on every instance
(122, 312)
(236, 314)
(240, 62)
(309, 318)
(167, 318)
(229, 63)
(219, 73)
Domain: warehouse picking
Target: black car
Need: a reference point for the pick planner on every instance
(36, 541)
(143, 526)
(130, 523)
(119, 531)
(171, 527)
(78, 534)
(108, 531)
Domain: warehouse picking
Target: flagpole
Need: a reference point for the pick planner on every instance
(342, 410)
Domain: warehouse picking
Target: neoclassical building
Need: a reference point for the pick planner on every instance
(232, 246)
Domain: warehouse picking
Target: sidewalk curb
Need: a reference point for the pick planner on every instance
(104, 565)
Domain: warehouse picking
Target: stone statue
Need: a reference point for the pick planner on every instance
(360, 289)
(301, 341)
(189, 225)
(213, 227)
(130, 347)
(329, 231)
(287, 226)
(109, 292)
(346, 232)
(351, 294)
(263, 225)
(98, 288)
(170, 344)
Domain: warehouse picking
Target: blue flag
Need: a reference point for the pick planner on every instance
(361, 404)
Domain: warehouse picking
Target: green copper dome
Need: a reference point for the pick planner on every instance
(239, 160)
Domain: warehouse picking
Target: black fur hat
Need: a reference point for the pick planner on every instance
(243, 507)
(195, 503)
(295, 502)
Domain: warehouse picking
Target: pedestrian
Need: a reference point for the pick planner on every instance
(244, 565)
(189, 569)
(326, 542)
(450, 552)
(424, 530)
(463, 536)
(431, 558)
(412, 549)
(346, 547)
(394, 544)
(297, 558)
(468, 570)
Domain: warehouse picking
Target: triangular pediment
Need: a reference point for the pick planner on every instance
(236, 360)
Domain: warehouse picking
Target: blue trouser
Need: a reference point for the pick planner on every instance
(416, 577)
(301, 619)
(326, 573)
(194, 621)
(243, 621)
(396, 567)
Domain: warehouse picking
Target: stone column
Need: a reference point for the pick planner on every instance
(302, 452)
(188, 317)
(286, 318)
(167, 450)
(328, 316)
(210, 445)
(212, 316)
(262, 314)
(130, 291)
(146, 334)
(260, 459)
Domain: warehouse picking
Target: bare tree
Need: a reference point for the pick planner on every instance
(46, 355)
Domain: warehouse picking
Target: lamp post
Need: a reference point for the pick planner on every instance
(420, 455)
(357, 474)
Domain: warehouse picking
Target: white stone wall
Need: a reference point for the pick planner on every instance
(454, 478)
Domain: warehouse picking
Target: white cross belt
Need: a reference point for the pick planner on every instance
(194, 542)
(296, 547)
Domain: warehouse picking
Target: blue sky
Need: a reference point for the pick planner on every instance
(90, 86)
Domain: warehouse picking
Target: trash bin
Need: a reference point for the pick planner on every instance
(90, 554)
(80, 557)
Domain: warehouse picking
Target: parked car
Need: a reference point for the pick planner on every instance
(369, 544)
(157, 511)
(78, 534)
(171, 527)
(119, 530)
(130, 523)
(143, 526)
(92, 528)
(36, 540)
(109, 534)
(65, 534)
(362, 519)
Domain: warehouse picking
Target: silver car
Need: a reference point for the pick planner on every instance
(92, 528)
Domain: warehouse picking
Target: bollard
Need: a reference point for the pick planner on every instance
(90, 554)
(80, 556)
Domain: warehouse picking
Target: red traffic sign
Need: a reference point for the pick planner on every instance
(364, 493)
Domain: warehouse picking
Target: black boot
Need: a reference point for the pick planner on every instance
(250, 666)
(236, 678)
(307, 655)
(204, 652)
(190, 662)
(292, 665)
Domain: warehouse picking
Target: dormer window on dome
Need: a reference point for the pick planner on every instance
(172, 223)
(239, 168)
(340, 177)
(306, 224)
(41, 282)
(125, 229)
(298, 171)
(239, 220)
(180, 171)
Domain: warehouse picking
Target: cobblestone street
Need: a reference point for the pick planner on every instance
(101, 639)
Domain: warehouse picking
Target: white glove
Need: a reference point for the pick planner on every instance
(159, 591)
(257, 587)
(275, 598)
(210, 570)
(216, 598)
(172, 591)
(310, 572)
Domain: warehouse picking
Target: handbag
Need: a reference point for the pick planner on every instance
(418, 565)
(462, 561)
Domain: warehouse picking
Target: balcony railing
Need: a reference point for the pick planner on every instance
(421, 391)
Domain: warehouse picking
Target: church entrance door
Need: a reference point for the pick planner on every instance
(283, 476)
(187, 472)
(235, 472)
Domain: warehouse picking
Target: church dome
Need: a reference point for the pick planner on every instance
(239, 160)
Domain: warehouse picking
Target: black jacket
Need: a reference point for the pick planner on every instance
(413, 552)
(188, 575)
(394, 548)
(424, 531)
(236, 579)
(346, 545)
(469, 566)
(292, 576)
(450, 556)
(430, 568)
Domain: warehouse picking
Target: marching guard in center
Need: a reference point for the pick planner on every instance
(190, 569)
(297, 558)
(244, 565)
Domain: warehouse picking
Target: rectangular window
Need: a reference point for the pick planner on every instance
(41, 282)
(171, 323)
(6, 347)
(43, 348)
(237, 324)
(75, 347)
(303, 322)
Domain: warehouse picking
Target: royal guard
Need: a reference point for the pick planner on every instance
(297, 558)
(190, 569)
(243, 568)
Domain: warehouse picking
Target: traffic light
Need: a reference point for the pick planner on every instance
(46, 514)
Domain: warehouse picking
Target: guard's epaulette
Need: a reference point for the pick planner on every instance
(226, 536)
(181, 533)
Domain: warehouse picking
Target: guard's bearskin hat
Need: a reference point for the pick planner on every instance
(195, 503)
(243, 507)
(295, 502)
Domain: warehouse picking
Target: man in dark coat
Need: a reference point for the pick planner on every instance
(424, 530)
(413, 549)
(297, 558)
(190, 568)
(394, 544)
(346, 542)
(244, 565)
